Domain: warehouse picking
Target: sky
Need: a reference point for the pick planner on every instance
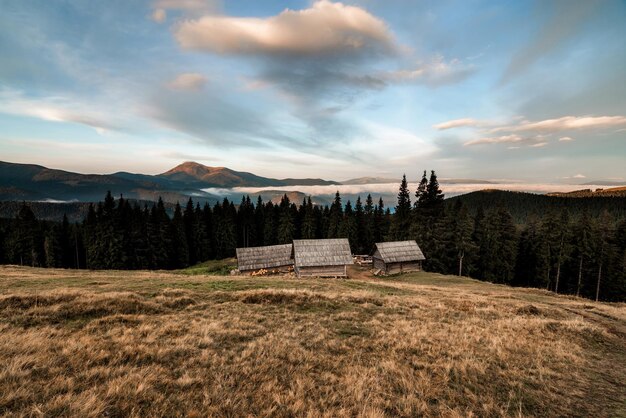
(529, 91)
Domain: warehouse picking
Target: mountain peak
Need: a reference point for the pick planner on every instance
(191, 167)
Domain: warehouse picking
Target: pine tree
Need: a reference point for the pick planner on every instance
(603, 236)
(225, 229)
(246, 223)
(191, 226)
(348, 227)
(506, 245)
(179, 251)
(481, 242)
(309, 222)
(26, 244)
(285, 221)
(369, 226)
(434, 196)
(334, 217)
(557, 234)
(259, 221)
(402, 217)
(270, 224)
(458, 240)
(359, 217)
(582, 238)
(532, 257)
(421, 193)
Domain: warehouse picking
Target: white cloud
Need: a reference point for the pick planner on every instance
(434, 73)
(188, 81)
(495, 140)
(539, 145)
(325, 27)
(202, 6)
(458, 123)
(579, 176)
(564, 123)
(159, 15)
(548, 126)
(53, 109)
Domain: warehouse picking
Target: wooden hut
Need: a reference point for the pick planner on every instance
(322, 257)
(397, 257)
(271, 257)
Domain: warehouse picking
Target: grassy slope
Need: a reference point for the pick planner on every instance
(156, 343)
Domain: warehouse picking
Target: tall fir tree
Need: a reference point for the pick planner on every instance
(348, 226)
(286, 228)
(401, 223)
(309, 222)
(179, 251)
(334, 217)
(582, 244)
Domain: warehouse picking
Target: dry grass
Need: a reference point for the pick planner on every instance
(159, 344)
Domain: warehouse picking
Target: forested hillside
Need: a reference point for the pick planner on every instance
(569, 247)
(524, 206)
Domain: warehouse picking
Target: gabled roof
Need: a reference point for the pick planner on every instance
(399, 251)
(256, 258)
(322, 252)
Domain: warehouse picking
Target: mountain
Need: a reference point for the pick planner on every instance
(38, 183)
(201, 176)
(369, 180)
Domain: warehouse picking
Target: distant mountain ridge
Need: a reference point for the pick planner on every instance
(38, 183)
(200, 175)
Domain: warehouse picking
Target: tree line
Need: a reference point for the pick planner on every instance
(562, 252)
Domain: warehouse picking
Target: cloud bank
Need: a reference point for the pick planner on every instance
(325, 27)
(188, 81)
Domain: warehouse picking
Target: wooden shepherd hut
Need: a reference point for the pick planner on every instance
(271, 257)
(397, 257)
(321, 257)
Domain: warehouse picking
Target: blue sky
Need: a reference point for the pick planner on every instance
(523, 90)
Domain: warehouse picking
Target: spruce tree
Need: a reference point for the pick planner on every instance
(334, 217)
(179, 251)
(259, 221)
(191, 226)
(309, 222)
(348, 227)
(270, 224)
(582, 238)
(602, 237)
(420, 194)
(458, 239)
(369, 225)
(359, 217)
(532, 257)
(285, 222)
(402, 217)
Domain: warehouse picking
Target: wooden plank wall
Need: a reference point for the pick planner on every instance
(322, 271)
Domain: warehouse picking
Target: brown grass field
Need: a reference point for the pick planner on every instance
(113, 343)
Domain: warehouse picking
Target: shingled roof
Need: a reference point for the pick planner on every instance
(399, 251)
(271, 256)
(322, 252)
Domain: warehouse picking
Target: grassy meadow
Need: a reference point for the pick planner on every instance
(118, 343)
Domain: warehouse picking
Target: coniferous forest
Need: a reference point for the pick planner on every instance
(573, 253)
